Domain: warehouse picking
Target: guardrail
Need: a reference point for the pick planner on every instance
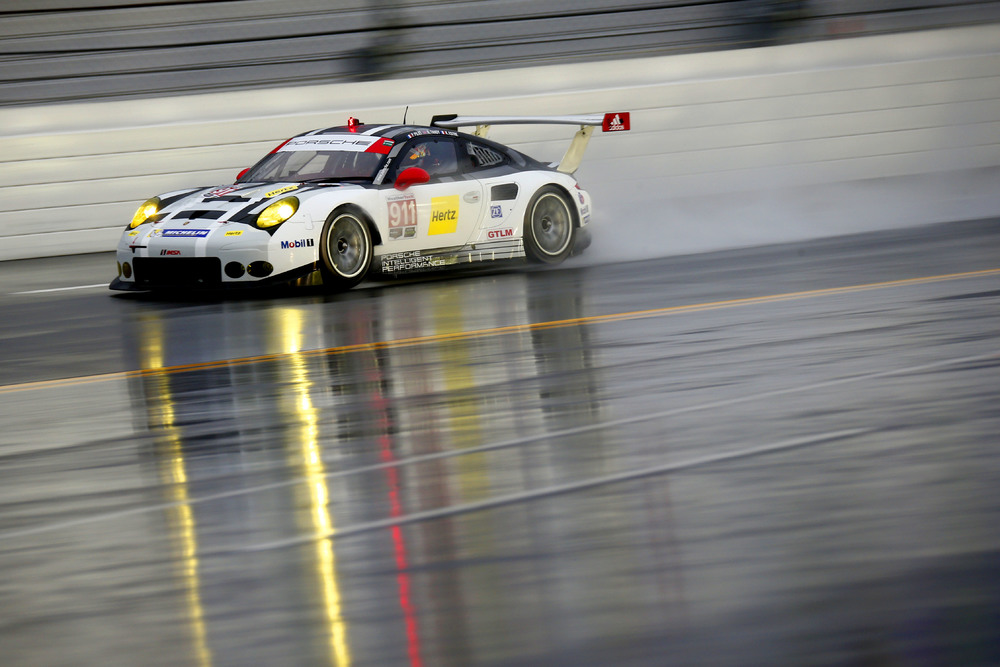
(86, 50)
(713, 127)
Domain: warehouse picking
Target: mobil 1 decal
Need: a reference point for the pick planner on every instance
(402, 216)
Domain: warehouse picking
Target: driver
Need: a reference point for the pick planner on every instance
(420, 156)
(432, 157)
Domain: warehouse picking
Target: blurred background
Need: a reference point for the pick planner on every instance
(795, 118)
(69, 50)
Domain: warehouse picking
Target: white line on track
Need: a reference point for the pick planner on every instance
(505, 444)
(61, 289)
(559, 489)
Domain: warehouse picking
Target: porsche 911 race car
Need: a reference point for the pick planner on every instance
(344, 203)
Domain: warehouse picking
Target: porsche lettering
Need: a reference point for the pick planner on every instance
(401, 255)
(329, 142)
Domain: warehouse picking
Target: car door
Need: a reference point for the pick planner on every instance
(500, 228)
(442, 213)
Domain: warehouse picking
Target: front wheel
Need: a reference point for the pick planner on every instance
(548, 226)
(345, 250)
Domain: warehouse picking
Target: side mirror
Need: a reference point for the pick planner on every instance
(411, 176)
(240, 175)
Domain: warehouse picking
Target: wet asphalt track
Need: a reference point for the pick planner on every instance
(775, 456)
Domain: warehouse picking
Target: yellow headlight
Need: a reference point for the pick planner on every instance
(278, 212)
(145, 212)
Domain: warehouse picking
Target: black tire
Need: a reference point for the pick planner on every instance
(549, 226)
(345, 249)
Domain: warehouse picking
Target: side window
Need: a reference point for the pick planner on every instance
(483, 156)
(437, 156)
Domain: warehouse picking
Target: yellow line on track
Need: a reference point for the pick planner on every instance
(497, 331)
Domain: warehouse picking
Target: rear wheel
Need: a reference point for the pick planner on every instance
(345, 249)
(548, 226)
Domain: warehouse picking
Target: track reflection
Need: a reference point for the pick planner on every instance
(339, 432)
(779, 456)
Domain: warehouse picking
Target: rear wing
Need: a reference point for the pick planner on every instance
(570, 162)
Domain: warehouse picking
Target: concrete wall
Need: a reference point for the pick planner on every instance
(85, 50)
(732, 147)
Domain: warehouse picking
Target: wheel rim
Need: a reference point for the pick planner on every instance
(551, 224)
(346, 246)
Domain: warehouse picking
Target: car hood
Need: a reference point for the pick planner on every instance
(236, 203)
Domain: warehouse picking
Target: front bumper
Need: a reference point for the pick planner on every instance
(198, 281)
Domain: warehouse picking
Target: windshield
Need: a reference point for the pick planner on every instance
(308, 165)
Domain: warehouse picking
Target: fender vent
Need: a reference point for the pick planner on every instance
(504, 192)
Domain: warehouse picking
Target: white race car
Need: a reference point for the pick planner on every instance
(339, 204)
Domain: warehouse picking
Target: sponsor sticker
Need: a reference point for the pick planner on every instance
(496, 211)
(134, 232)
(402, 216)
(222, 191)
(444, 215)
(301, 243)
(170, 252)
(185, 233)
(616, 122)
(500, 233)
(275, 193)
(234, 232)
(382, 147)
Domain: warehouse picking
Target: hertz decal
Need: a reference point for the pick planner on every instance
(444, 215)
(275, 193)
(234, 232)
